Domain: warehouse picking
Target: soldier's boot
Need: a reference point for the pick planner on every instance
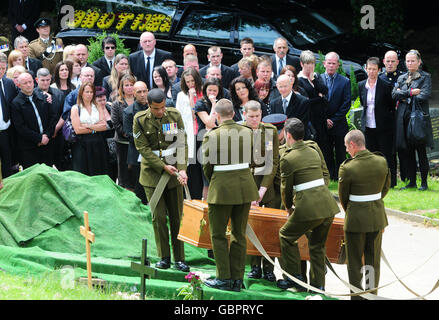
(255, 273)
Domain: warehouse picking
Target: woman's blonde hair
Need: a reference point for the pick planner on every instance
(13, 56)
(68, 50)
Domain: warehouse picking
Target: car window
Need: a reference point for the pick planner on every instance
(207, 25)
(262, 33)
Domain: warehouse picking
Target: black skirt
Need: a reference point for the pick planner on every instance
(90, 154)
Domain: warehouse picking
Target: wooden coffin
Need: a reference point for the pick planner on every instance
(266, 222)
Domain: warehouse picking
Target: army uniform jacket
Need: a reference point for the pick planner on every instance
(300, 164)
(365, 174)
(153, 134)
(37, 48)
(268, 152)
(234, 186)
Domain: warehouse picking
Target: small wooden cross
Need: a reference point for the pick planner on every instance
(89, 237)
(146, 272)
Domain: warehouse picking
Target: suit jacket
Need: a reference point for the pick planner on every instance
(227, 74)
(302, 163)
(10, 92)
(228, 187)
(291, 60)
(26, 13)
(339, 104)
(34, 65)
(297, 108)
(102, 64)
(127, 123)
(364, 174)
(384, 106)
(25, 120)
(138, 64)
(98, 75)
(57, 102)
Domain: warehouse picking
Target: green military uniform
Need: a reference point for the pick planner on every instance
(37, 47)
(304, 180)
(231, 191)
(363, 181)
(152, 136)
(265, 146)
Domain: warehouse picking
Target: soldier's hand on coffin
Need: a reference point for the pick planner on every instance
(262, 191)
(255, 203)
(170, 169)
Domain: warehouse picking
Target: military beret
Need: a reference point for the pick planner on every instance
(276, 119)
(42, 22)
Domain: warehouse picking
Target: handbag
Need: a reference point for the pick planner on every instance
(417, 127)
(67, 129)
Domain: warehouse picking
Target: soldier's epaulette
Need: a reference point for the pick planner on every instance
(347, 160)
(269, 126)
(172, 110)
(379, 154)
(35, 40)
(140, 114)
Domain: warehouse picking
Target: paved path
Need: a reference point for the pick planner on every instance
(407, 245)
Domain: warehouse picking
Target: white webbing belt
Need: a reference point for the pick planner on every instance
(230, 167)
(365, 198)
(309, 185)
(164, 153)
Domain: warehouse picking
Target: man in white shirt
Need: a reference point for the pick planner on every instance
(280, 57)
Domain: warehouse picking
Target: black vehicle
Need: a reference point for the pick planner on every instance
(224, 23)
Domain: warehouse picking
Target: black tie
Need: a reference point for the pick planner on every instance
(111, 65)
(148, 70)
(4, 107)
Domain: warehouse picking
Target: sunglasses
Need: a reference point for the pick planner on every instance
(110, 48)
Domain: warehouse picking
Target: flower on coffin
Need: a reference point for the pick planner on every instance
(106, 20)
(123, 19)
(166, 24)
(137, 22)
(79, 15)
(90, 19)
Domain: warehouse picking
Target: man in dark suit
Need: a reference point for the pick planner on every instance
(31, 64)
(105, 63)
(247, 49)
(57, 142)
(291, 104)
(142, 62)
(81, 52)
(8, 92)
(339, 103)
(34, 121)
(378, 117)
(188, 50)
(280, 58)
(215, 56)
(22, 15)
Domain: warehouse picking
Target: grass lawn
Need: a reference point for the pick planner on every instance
(412, 200)
(51, 286)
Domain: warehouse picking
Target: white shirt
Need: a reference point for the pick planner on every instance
(89, 118)
(185, 109)
(370, 114)
(151, 65)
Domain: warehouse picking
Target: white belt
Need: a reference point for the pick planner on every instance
(309, 185)
(230, 167)
(258, 170)
(365, 198)
(164, 153)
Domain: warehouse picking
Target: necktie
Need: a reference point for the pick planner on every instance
(148, 76)
(281, 65)
(330, 83)
(285, 105)
(3, 100)
(111, 65)
(40, 124)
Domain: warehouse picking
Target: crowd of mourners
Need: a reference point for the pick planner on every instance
(40, 92)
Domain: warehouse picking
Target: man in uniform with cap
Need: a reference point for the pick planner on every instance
(46, 48)
(266, 152)
(364, 181)
(304, 180)
(227, 155)
(160, 138)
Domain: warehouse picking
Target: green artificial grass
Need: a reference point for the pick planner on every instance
(411, 200)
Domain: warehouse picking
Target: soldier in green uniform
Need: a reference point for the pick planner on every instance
(364, 181)
(266, 162)
(46, 48)
(304, 185)
(159, 137)
(227, 153)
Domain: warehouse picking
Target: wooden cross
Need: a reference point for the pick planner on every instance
(89, 237)
(146, 272)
